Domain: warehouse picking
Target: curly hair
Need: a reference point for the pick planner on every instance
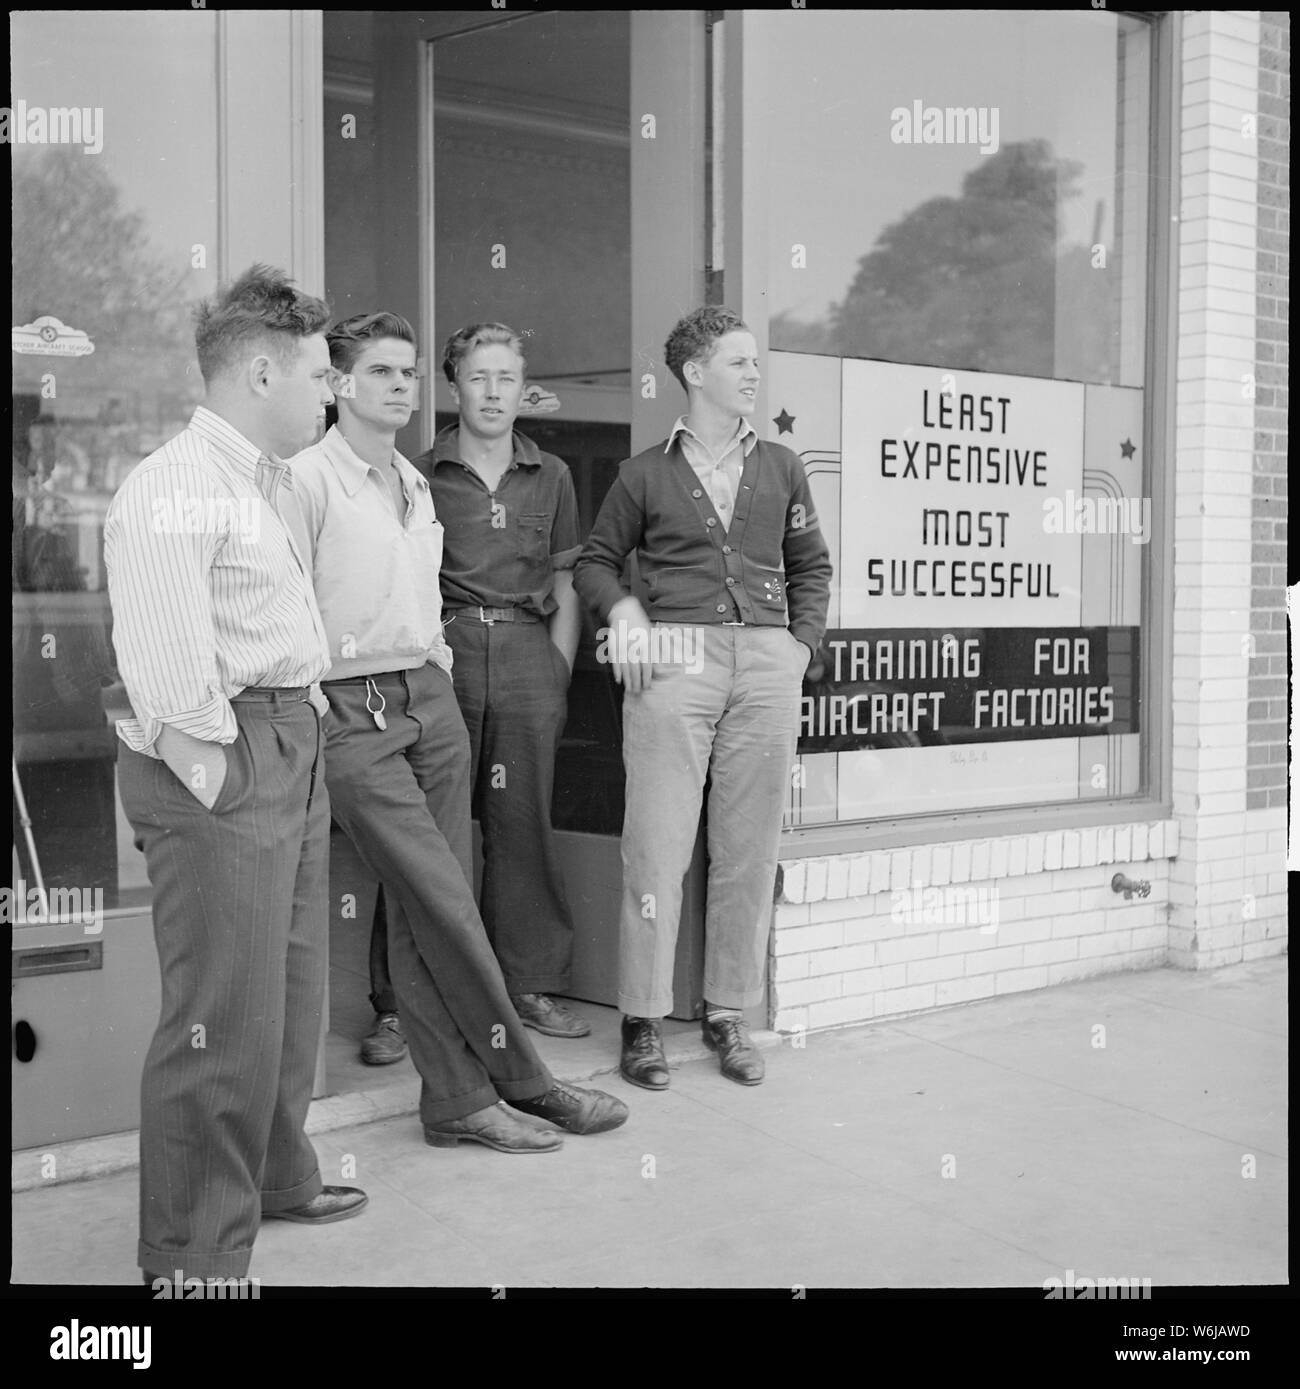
(261, 308)
(693, 338)
(464, 340)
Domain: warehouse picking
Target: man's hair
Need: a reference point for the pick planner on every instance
(261, 309)
(465, 340)
(348, 338)
(693, 339)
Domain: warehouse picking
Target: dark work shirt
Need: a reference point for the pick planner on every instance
(501, 549)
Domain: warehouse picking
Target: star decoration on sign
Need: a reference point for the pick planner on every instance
(1128, 448)
(784, 422)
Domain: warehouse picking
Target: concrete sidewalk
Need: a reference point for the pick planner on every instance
(994, 1144)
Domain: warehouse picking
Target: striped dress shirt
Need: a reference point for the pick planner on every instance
(207, 584)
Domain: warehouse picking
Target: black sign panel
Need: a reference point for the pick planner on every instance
(918, 687)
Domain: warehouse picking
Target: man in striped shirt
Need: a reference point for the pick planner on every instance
(219, 642)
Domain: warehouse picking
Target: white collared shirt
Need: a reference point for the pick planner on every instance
(376, 576)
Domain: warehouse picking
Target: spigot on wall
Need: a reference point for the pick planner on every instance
(1128, 886)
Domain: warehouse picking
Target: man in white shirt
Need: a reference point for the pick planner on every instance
(219, 642)
(398, 760)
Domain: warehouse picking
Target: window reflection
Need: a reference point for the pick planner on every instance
(114, 244)
(1024, 254)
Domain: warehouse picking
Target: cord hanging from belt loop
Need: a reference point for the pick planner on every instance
(381, 722)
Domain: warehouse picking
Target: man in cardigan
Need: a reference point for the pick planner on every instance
(738, 580)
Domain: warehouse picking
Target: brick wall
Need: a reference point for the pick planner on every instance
(1266, 683)
(879, 934)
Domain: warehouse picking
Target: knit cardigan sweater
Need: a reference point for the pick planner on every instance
(771, 568)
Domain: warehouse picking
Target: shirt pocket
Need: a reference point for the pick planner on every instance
(688, 587)
(533, 536)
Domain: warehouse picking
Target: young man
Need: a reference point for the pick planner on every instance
(218, 640)
(398, 759)
(738, 581)
(511, 520)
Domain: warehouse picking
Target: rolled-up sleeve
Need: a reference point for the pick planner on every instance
(163, 623)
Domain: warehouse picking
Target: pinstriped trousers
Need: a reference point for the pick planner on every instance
(240, 919)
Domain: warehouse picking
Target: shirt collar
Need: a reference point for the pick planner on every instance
(352, 469)
(446, 446)
(233, 445)
(745, 434)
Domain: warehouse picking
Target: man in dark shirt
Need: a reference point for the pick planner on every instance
(511, 540)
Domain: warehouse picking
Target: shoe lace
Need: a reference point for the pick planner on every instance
(731, 1031)
(643, 1038)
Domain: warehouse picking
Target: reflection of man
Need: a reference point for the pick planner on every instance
(398, 762)
(218, 640)
(507, 582)
(729, 546)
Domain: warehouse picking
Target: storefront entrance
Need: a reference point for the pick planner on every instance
(486, 174)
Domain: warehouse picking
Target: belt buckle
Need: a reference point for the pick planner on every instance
(732, 624)
(484, 618)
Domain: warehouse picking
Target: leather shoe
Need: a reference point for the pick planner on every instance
(384, 1043)
(729, 1037)
(574, 1110)
(494, 1127)
(329, 1204)
(549, 1015)
(642, 1061)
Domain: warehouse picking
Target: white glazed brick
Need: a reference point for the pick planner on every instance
(871, 928)
(905, 1000)
(1149, 938)
(1018, 857)
(835, 1012)
(802, 938)
(1012, 932)
(930, 971)
(812, 990)
(837, 878)
(787, 967)
(1050, 952)
(1140, 842)
(860, 875)
(879, 872)
(1011, 981)
(1070, 849)
(900, 861)
(1156, 839)
(790, 1020)
(1052, 849)
(892, 952)
(981, 854)
(1000, 859)
(1123, 843)
(941, 865)
(920, 867)
(1105, 943)
(795, 873)
(1000, 957)
(791, 914)
(1079, 924)
(963, 990)
(815, 884)
(1088, 846)
(961, 863)
(1034, 854)
(963, 940)
(841, 959)
(1106, 844)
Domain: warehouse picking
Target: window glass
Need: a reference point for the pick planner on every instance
(114, 163)
(956, 268)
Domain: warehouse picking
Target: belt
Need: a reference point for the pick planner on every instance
(488, 616)
(287, 693)
(365, 679)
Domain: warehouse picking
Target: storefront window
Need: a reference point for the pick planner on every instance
(113, 145)
(957, 243)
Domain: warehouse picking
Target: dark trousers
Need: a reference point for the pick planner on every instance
(512, 687)
(240, 917)
(401, 794)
